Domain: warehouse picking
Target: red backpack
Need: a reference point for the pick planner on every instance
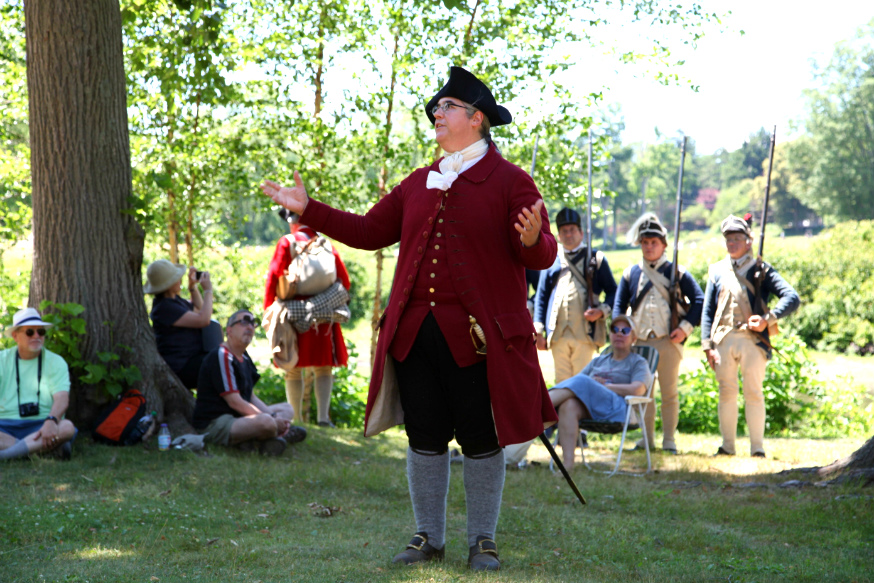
(117, 424)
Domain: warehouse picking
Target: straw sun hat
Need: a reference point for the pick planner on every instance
(161, 275)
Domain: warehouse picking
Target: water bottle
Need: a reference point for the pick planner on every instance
(164, 438)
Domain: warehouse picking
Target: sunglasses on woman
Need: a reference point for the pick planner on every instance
(32, 331)
(624, 330)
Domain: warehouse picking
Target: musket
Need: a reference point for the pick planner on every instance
(761, 270)
(534, 156)
(767, 197)
(591, 259)
(678, 301)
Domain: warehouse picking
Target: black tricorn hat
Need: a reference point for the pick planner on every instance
(465, 86)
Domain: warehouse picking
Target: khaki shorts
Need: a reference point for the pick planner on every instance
(219, 430)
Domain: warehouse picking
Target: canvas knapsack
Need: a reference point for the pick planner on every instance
(117, 424)
(312, 269)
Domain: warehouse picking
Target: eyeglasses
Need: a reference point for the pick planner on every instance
(624, 330)
(32, 331)
(244, 320)
(446, 106)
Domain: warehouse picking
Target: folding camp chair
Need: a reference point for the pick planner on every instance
(637, 404)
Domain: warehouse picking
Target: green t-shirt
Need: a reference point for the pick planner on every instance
(55, 378)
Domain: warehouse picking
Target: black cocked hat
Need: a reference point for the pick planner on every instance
(568, 216)
(465, 86)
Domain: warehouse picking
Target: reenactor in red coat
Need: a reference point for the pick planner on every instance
(468, 226)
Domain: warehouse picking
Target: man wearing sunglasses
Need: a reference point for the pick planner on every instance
(227, 410)
(34, 393)
(645, 296)
(456, 357)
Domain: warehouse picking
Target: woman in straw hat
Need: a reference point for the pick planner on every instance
(178, 322)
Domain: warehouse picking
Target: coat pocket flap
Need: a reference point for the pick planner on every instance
(515, 324)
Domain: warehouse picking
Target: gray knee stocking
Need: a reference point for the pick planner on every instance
(483, 486)
(428, 476)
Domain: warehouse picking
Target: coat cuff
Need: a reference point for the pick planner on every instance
(538, 328)
(686, 327)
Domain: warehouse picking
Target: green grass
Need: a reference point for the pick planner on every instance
(135, 515)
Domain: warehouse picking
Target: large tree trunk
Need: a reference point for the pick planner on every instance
(856, 468)
(86, 249)
(857, 465)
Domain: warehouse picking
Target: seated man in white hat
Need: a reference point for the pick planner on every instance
(34, 392)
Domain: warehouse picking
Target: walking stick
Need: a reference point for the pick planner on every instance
(561, 467)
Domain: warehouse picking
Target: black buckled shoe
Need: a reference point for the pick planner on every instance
(484, 555)
(418, 551)
(722, 451)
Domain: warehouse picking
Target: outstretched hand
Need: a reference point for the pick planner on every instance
(293, 198)
(529, 224)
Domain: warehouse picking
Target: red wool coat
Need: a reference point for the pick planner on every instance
(324, 344)
(481, 209)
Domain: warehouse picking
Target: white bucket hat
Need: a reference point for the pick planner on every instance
(161, 275)
(26, 317)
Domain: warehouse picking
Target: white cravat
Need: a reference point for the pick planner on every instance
(454, 164)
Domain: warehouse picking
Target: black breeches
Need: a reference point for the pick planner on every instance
(442, 400)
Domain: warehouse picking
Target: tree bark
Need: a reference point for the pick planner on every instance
(861, 459)
(86, 250)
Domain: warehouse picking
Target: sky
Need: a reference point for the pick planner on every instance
(746, 81)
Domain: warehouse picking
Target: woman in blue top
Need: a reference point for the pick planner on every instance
(177, 322)
(599, 391)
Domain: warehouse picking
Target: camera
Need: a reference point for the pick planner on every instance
(198, 275)
(28, 409)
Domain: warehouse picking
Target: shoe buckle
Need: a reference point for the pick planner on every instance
(417, 546)
(491, 549)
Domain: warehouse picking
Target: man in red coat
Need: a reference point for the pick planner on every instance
(468, 226)
(319, 348)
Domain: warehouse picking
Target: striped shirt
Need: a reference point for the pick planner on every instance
(222, 374)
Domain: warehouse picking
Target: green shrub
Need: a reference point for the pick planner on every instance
(64, 338)
(836, 285)
(795, 400)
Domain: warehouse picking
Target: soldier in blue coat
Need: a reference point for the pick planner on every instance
(735, 332)
(644, 295)
(563, 320)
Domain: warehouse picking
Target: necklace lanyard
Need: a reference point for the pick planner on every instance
(38, 377)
